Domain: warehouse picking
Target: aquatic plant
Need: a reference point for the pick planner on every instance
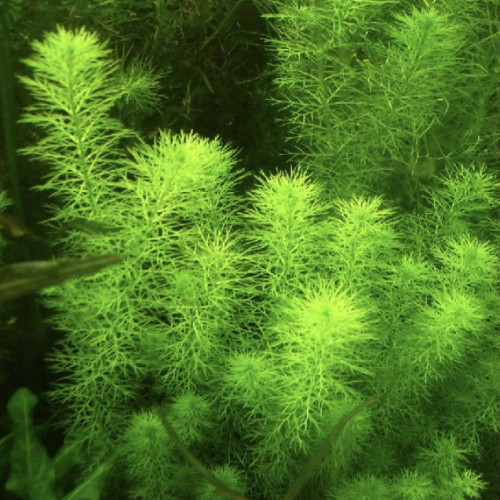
(254, 327)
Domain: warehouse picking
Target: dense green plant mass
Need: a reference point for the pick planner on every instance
(378, 92)
(247, 327)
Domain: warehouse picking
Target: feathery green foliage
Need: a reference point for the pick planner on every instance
(147, 454)
(73, 88)
(152, 208)
(248, 328)
(374, 91)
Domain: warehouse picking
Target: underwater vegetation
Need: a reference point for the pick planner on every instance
(325, 329)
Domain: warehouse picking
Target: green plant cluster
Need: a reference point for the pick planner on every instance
(254, 324)
(381, 95)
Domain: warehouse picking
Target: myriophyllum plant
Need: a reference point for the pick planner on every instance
(375, 94)
(73, 91)
(169, 210)
(243, 335)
